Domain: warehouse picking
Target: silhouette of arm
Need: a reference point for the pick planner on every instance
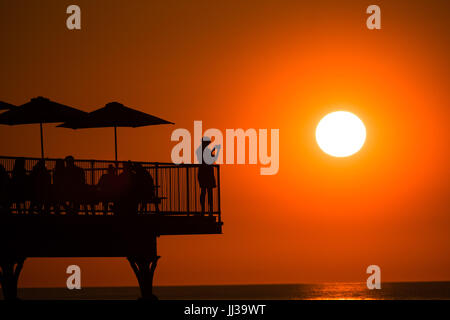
(210, 157)
(199, 154)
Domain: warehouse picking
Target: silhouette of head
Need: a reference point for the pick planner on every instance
(127, 166)
(138, 167)
(111, 169)
(70, 161)
(206, 141)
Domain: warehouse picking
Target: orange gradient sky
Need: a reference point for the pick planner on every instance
(256, 64)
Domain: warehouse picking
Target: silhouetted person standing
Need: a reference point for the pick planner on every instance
(19, 185)
(107, 187)
(206, 178)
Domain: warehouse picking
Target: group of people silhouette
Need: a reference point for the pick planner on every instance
(128, 192)
(64, 190)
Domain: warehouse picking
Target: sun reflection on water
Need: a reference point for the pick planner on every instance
(337, 291)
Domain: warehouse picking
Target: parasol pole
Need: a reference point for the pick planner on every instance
(115, 140)
(42, 141)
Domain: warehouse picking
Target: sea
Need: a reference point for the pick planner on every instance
(323, 291)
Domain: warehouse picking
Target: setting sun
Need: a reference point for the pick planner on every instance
(340, 134)
(231, 150)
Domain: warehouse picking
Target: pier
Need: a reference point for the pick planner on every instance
(93, 229)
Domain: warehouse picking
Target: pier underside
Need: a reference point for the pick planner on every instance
(135, 238)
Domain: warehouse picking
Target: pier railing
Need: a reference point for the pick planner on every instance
(176, 186)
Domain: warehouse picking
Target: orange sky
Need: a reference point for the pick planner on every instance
(256, 64)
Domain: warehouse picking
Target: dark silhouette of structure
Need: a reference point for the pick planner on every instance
(114, 230)
(113, 115)
(39, 110)
(6, 106)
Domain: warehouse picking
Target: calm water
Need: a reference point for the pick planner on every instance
(334, 291)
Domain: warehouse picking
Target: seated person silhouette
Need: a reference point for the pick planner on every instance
(58, 188)
(145, 188)
(19, 185)
(40, 182)
(206, 179)
(4, 190)
(107, 187)
(126, 203)
(74, 182)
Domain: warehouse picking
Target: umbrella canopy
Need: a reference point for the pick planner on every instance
(6, 106)
(40, 110)
(114, 115)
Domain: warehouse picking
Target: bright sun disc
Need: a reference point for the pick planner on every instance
(340, 134)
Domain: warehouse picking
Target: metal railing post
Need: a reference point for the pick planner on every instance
(92, 173)
(218, 193)
(157, 187)
(187, 191)
(157, 181)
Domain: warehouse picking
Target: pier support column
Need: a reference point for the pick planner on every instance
(144, 265)
(9, 276)
(144, 269)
